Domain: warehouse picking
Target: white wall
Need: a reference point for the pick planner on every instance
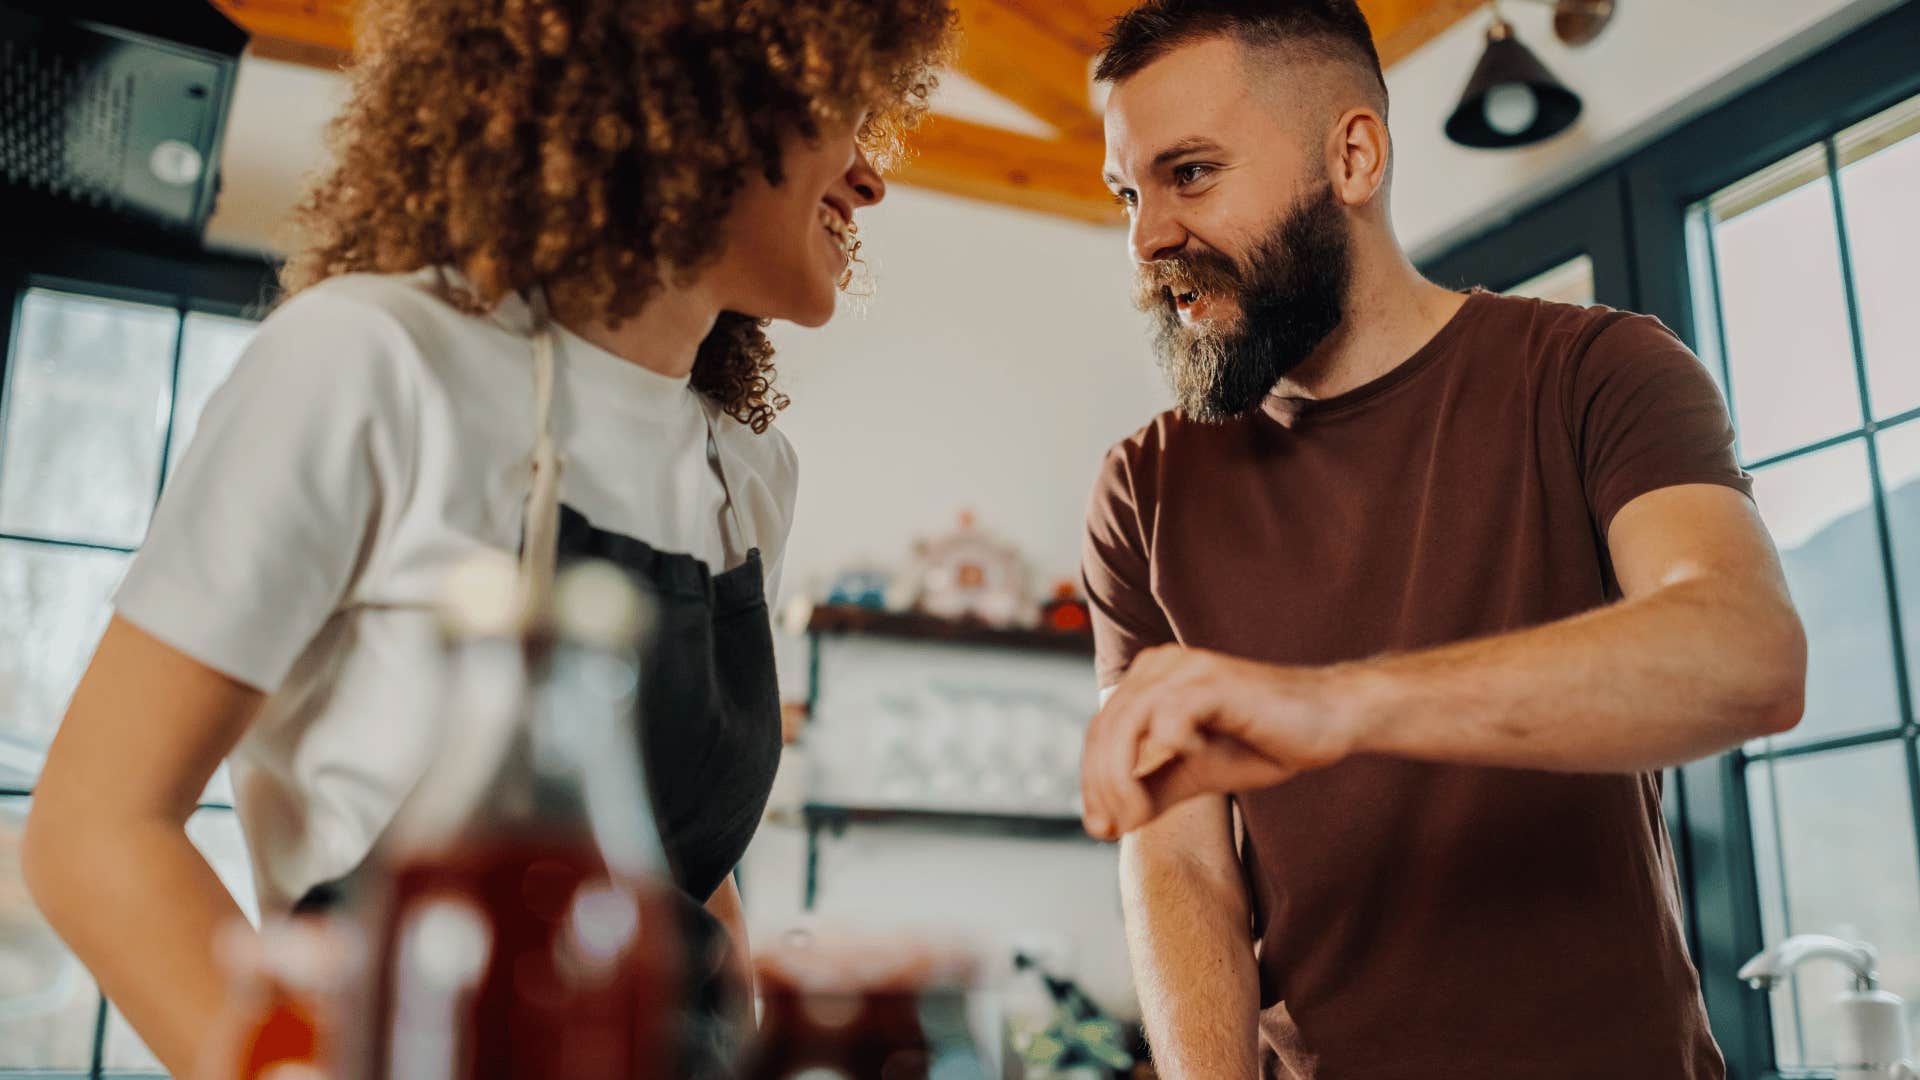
(1657, 64)
(995, 362)
(273, 146)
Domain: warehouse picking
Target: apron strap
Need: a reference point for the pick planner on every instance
(742, 540)
(539, 550)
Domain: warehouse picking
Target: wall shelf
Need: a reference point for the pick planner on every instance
(832, 817)
(843, 620)
(838, 817)
(832, 621)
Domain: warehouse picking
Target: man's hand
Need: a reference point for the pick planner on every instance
(1186, 722)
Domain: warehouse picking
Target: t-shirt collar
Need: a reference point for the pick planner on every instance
(1289, 410)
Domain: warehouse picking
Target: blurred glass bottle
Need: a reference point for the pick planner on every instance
(520, 916)
(279, 1019)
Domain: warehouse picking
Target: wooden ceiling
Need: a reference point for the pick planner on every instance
(1033, 53)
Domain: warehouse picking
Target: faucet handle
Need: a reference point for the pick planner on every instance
(1768, 968)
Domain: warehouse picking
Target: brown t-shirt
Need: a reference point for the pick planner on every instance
(1415, 920)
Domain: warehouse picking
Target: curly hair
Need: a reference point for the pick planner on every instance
(593, 148)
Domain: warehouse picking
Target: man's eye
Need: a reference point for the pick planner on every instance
(1124, 198)
(1187, 174)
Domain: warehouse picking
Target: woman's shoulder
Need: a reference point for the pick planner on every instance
(414, 304)
(385, 327)
(768, 454)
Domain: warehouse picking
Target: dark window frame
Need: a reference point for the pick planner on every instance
(129, 265)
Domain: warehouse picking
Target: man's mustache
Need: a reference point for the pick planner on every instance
(1199, 272)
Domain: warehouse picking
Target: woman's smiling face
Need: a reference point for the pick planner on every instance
(788, 245)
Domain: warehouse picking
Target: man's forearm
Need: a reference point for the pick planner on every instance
(1678, 674)
(1193, 965)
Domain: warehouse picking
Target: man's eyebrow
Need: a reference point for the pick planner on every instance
(1192, 144)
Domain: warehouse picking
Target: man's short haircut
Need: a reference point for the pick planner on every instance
(1316, 30)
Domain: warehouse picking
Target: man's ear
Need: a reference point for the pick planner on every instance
(1358, 150)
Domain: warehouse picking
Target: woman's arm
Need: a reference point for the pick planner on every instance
(106, 853)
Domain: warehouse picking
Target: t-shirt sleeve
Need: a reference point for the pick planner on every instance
(276, 503)
(1126, 617)
(1646, 415)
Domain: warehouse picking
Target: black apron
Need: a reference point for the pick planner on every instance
(709, 709)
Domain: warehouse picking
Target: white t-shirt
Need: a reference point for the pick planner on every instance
(371, 437)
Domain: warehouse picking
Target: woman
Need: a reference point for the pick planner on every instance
(529, 311)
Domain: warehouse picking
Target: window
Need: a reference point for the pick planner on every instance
(1569, 283)
(1805, 288)
(98, 397)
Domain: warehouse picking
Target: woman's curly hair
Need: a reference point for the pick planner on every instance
(592, 148)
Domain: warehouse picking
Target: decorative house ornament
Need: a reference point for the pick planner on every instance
(968, 573)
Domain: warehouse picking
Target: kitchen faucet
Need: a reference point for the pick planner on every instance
(1871, 1041)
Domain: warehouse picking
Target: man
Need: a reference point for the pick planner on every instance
(1401, 610)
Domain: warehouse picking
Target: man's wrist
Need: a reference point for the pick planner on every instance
(1355, 699)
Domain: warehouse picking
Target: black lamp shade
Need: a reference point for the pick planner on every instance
(1512, 99)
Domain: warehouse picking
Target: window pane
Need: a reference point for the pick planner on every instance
(1784, 312)
(1569, 283)
(1763, 815)
(1900, 474)
(1883, 228)
(217, 834)
(54, 602)
(209, 347)
(47, 1000)
(1820, 511)
(86, 406)
(1703, 292)
(1847, 841)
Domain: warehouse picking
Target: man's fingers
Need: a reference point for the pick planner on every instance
(1092, 806)
(1106, 730)
(1174, 729)
(1153, 757)
(1124, 798)
(1225, 765)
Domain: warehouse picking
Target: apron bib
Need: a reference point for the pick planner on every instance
(709, 705)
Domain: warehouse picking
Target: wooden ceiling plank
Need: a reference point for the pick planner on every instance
(305, 53)
(1054, 176)
(1079, 23)
(328, 25)
(1021, 60)
(1403, 26)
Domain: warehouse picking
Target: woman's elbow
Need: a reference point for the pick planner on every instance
(51, 851)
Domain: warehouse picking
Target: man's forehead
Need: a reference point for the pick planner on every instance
(1195, 92)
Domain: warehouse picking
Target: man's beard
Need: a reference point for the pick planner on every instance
(1291, 296)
